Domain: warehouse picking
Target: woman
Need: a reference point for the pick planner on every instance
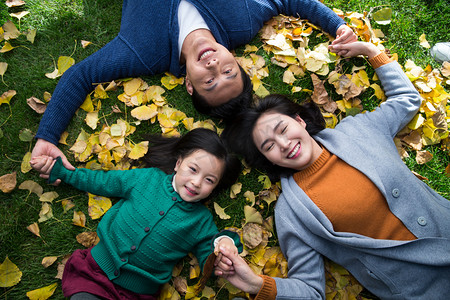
(347, 195)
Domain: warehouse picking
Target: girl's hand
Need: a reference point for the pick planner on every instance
(225, 244)
(355, 49)
(43, 164)
(241, 276)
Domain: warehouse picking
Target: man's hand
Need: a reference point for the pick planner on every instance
(45, 148)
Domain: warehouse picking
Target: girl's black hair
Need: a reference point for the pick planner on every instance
(239, 133)
(163, 153)
(229, 109)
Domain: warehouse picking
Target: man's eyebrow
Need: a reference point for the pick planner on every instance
(214, 85)
(274, 129)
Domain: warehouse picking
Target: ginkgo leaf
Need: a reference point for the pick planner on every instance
(383, 16)
(6, 96)
(98, 206)
(92, 119)
(87, 105)
(42, 293)
(31, 34)
(48, 196)
(170, 81)
(37, 105)
(145, 112)
(132, 86)
(8, 182)
(79, 219)
(250, 196)
(423, 41)
(25, 166)
(138, 150)
(14, 3)
(31, 186)
(235, 189)
(67, 204)
(220, 212)
(194, 271)
(10, 31)
(48, 261)
(25, 135)
(264, 179)
(3, 68)
(46, 212)
(10, 274)
(54, 74)
(64, 63)
(100, 93)
(252, 215)
(84, 44)
(19, 15)
(34, 228)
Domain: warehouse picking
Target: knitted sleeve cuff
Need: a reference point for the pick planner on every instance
(268, 290)
(379, 60)
(57, 171)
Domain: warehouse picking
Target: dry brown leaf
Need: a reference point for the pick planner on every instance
(36, 105)
(180, 284)
(34, 228)
(252, 235)
(422, 157)
(320, 95)
(88, 238)
(8, 182)
(61, 266)
(79, 218)
(14, 3)
(32, 187)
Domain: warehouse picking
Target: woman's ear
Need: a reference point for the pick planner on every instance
(300, 120)
(189, 87)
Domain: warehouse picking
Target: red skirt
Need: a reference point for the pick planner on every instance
(82, 274)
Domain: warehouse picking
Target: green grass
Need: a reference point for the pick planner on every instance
(62, 24)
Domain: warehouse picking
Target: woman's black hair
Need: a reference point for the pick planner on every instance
(239, 133)
(164, 152)
(229, 109)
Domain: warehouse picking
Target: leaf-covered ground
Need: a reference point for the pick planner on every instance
(42, 224)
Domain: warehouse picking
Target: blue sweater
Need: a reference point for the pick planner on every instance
(147, 44)
(418, 269)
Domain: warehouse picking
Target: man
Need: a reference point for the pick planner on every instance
(191, 37)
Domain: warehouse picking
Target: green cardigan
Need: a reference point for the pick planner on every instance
(148, 230)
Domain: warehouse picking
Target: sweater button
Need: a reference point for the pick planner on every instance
(133, 248)
(123, 260)
(147, 229)
(422, 221)
(174, 198)
(396, 193)
(161, 213)
(116, 273)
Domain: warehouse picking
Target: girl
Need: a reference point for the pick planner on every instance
(347, 195)
(158, 221)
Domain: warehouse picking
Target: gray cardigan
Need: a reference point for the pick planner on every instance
(418, 269)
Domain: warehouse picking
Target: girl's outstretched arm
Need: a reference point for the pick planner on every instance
(355, 49)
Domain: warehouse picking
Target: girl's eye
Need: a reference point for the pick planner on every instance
(210, 180)
(193, 169)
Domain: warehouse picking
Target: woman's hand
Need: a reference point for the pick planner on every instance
(240, 275)
(45, 148)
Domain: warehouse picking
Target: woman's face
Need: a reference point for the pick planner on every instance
(197, 175)
(284, 141)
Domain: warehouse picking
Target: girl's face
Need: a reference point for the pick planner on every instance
(284, 141)
(197, 175)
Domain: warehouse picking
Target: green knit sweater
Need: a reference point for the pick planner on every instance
(148, 230)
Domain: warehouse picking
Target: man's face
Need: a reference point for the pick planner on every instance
(213, 72)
